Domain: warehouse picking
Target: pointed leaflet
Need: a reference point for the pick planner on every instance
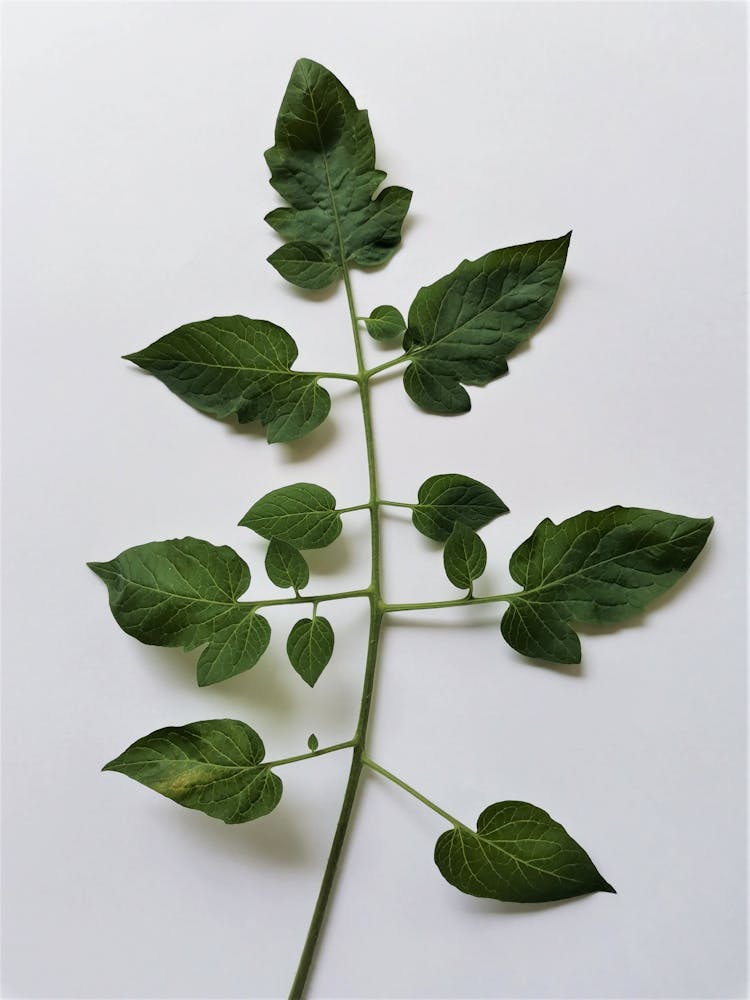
(304, 265)
(449, 498)
(323, 164)
(312, 742)
(214, 766)
(598, 567)
(303, 514)
(519, 854)
(464, 557)
(184, 592)
(310, 647)
(286, 567)
(235, 365)
(463, 327)
(385, 323)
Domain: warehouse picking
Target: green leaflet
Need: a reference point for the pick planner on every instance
(310, 647)
(464, 556)
(519, 854)
(463, 327)
(323, 165)
(312, 743)
(448, 498)
(304, 515)
(184, 592)
(235, 365)
(599, 567)
(305, 265)
(285, 566)
(385, 323)
(214, 766)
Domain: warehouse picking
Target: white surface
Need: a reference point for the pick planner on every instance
(134, 194)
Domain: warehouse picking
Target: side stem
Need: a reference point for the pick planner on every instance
(376, 618)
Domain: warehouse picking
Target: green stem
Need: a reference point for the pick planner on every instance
(412, 791)
(387, 364)
(307, 756)
(461, 602)
(394, 503)
(376, 618)
(312, 599)
(341, 375)
(347, 510)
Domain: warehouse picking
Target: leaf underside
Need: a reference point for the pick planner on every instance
(184, 592)
(451, 498)
(303, 515)
(463, 327)
(323, 165)
(518, 854)
(232, 365)
(213, 766)
(600, 568)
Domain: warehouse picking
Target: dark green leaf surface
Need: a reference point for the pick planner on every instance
(385, 323)
(449, 498)
(310, 647)
(214, 766)
(323, 165)
(464, 556)
(463, 327)
(312, 742)
(599, 567)
(304, 265)
(184, 592)
(235, 365)
(519, 854)
(286, 567)
(304, 515)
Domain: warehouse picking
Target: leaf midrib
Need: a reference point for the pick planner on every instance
(473, 319)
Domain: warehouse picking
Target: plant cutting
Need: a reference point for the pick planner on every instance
(594, 567)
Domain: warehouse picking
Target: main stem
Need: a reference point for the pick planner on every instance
(376, 617)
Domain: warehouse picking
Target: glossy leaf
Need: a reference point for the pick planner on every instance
(385, 323)
(449, 498)
(518, 854)
(214, 766)
(184, 592)
(463, 327)
(303, 514)
(304, 265)
(235, 365)
(310, 647)
(286, 566)
(599, 567)
(464, 556)
(323, 165)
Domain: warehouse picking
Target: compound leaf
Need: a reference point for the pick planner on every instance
(449, 498)
(304, 515)
(235, 365)
(310, 647)
(286, 566)
(599, 567)
(214, 766)
(304, 265)
(464, 556)
(385, 323)
(463, 327)
(323, 165)
(518, 854)
(184, 592)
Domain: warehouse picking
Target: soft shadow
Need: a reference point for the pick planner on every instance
(308, 446)
(331, 559)
(272, 838)
(473, 904)
(264, 685)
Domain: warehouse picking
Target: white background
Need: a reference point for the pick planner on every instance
(134, 194)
